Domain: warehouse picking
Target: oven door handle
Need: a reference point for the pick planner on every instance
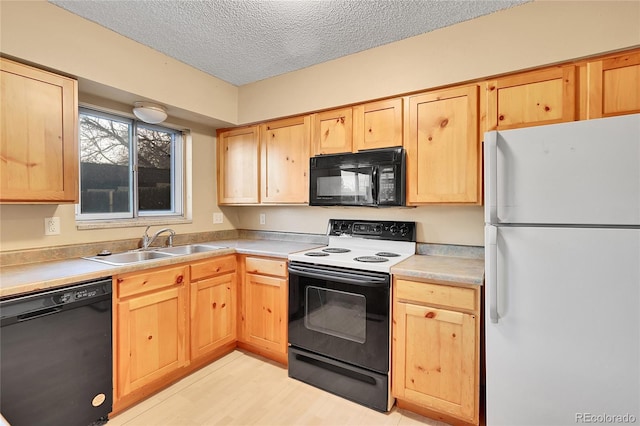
(339, 276)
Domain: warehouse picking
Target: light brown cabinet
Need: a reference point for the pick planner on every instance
(284, 156)
(365, 126)
(213, 305)
(238, 166)
(544, 96)
(378, 124)
(151, 335)
(435, 350)
(613, 85)
(38, 136)
(332, 131)
(443, 147)
(263, 319)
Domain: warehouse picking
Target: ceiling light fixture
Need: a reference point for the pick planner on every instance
(149, 112)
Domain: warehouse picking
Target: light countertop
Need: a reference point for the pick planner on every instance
(442, 268)
(31, 277)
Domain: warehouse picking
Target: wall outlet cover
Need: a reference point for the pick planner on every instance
(218, 218)
(263, 219)
(51, 226)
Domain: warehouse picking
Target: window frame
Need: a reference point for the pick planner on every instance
(180, 139)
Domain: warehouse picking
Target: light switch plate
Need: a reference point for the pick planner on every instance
(263, 219)
(218, 218)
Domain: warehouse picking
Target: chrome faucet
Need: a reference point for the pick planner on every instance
(147, 241)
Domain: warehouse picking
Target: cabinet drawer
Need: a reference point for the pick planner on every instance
(437, 294)
(142, 282)
(257, 265)
(212, 267)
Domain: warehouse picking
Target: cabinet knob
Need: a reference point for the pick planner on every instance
(430, 315)
(179, 279)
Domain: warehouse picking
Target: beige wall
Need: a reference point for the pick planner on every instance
(42, 33)
(526, 36)
(530, 35)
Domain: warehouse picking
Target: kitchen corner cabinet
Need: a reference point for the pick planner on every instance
(435, 349)
(263, 319)
(238, 166)
(332, 131)
(532, 98)
(38, 136)
(151, 320)
(613, 85)
(284, 171)
(213, 305)
(443, 147)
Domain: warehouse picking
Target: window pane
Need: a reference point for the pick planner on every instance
(154, 169)
(104, 164)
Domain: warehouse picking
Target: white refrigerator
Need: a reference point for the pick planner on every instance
(562, 284)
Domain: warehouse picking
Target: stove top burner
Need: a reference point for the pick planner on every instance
(371, 259)
(336, 250)
(387, 254)
(316, 254)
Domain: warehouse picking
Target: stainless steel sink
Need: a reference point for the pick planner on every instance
(188, 249)
(129, 257)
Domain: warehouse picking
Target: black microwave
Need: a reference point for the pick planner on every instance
(373, 178)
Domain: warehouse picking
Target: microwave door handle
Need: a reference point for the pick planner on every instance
(374, 185)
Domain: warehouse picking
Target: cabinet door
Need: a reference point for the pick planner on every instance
(38, 135)
(213, 313)
(377, 124)
(332, 131)
(238, 166)
(434, 353)
(614, 86)
(531, 99)
(266, 312)
(151, 339)
(443, 150)
(285, 160)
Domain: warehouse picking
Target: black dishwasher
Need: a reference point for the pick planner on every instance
(56, 357)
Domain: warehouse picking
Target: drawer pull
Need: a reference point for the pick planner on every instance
(430, 315)
(179, 279)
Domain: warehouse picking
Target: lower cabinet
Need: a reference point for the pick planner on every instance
(213, 305)
(151, 319)
(263, 317)
(168, 322)
(436, 350)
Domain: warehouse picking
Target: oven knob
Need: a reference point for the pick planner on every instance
(336, 226)
(344, 227)
(404, 230)
(394, 229)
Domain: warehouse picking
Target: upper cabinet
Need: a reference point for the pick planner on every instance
(377, 124)
(443, 148)
(366, 126)
(238, 166)
(613, 86)
(533, 98)
(38, 136)
(332, 131)
(284, 155)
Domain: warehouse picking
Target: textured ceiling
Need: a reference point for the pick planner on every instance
(242, 41)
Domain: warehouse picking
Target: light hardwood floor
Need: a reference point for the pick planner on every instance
(245, 389)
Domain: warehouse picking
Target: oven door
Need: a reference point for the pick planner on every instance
(340, 313)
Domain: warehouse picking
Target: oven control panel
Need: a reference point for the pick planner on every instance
(373, 229)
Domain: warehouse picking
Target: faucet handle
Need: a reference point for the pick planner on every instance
(147, 230)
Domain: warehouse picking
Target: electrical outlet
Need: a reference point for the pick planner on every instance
(51, 226)
(263, 219)
(217, 218)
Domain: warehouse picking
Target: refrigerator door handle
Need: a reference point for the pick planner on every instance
(491, 177)
(491, 270)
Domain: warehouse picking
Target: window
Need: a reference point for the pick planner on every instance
(128, 169)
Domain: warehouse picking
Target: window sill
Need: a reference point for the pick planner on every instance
(129, 223)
